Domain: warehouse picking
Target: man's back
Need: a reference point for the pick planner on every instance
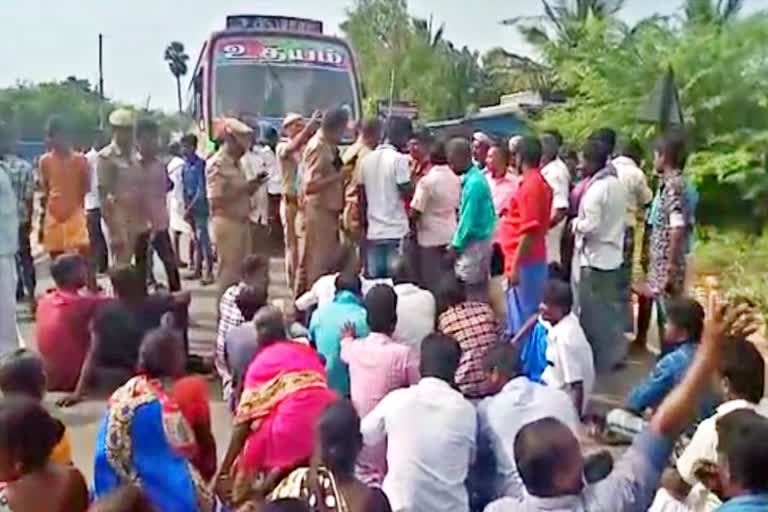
(603, 209)
(501, 417)
(430, 430)
(381, 173)
(415, 314)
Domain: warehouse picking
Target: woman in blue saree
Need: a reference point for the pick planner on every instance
(147, 437)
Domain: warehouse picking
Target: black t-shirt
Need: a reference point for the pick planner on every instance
(121, 328)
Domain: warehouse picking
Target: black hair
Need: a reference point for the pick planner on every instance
(399, 130)
(66, 270)
(504, 357)
(528, 150)
(424, 136)
(250, 300)
(270, 325)
(460, 146)
(254, 265)
(744, 367)
(440, 355)
(286, 505)
(335, 119)
(672, 146)
(686, 313)
(595, 153)
(147, 126)
(381, 307)
(607, 136)
(556, 135)
(502, 148)
(189, 139)
(339, 434)
(349, 281)
(128, 282)
(539, 449)
(450, 292)
(28, 434)
(558, 293)
(56, 126)
(550, 145)
(631, 148)
(402, 270)
(371, 127)
(741, 437)
(158, 351)
(343, 259)
(437, 153)
(174, 148)
(22, 372)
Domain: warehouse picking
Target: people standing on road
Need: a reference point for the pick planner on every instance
(156, 186)
(557, 175)
(121, 189)
(385, 182)
(196, 208)
(522, 237)
(418, 150)
(598, 256)
(470, 247)
(255, 168)
(481, 144)
(229, 193)
(65, 178)
(99, 249)
(433, 217)
(672, 223)
(269, 140)
(321, 199)
(296, 133)
(9, 245)
(367, 140)
(178, 224)
(22, 177)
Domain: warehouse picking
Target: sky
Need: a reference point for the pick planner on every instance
(52, 39)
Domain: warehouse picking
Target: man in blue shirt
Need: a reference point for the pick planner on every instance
(328, 322)
(196, 207)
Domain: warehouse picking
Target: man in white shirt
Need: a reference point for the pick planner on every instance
(519, 402)
(99, 250)
(430, 430)
(598, 255)
(742, 382)
(254, 166)
(639, 196)
(385, 179)
(270, 138)
(570, 364)
(416, 307)
(556, 173)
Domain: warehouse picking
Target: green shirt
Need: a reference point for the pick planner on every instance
(477, 217)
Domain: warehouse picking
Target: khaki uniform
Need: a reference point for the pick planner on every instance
(289, 208)
(320, 212)
(121, 182)
(230, 209)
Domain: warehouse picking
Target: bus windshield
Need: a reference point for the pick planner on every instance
(269, 76)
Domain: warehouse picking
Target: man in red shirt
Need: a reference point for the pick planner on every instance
(64, 315)
(522, 235)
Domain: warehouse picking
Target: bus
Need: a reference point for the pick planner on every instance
(260, 68)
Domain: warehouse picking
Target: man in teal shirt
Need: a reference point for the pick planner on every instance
(471, 244)
(329, 320)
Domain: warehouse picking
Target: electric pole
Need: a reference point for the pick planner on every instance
(101, 66)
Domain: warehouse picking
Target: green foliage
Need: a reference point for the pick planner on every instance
(177, 58)
(443, 80)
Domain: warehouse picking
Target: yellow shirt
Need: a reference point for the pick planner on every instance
(62, 452)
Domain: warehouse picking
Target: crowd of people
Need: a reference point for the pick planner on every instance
(454, 303)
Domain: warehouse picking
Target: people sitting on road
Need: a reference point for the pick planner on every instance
(416, 309)
(22, 373)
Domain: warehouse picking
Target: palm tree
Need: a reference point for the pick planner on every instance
(562, 20)
(177, 59)
(703, 12)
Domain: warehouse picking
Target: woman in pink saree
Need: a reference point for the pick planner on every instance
(284, 393)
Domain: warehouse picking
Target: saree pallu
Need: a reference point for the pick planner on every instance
(144, 440)
(285, 393)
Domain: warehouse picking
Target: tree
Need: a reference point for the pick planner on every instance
(704, 12)
(563, 20)
(177, 59)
